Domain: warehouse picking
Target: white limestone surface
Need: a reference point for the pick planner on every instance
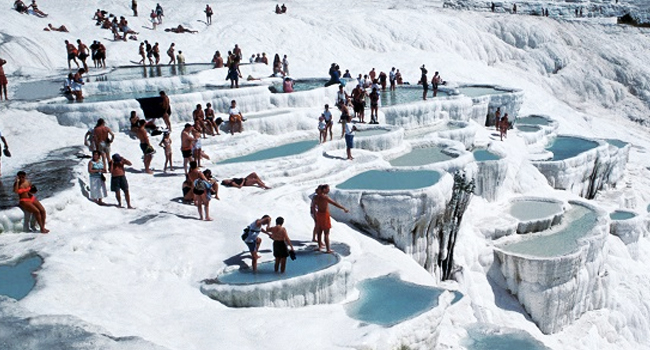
(327, 286)
(407, 218)
(556, 289)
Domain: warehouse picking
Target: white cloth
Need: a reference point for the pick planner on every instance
(234, 111)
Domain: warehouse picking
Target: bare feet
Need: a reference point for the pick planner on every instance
(208, 219)
(44, 230)
(148, 171)
(329, 252)
(130, 207)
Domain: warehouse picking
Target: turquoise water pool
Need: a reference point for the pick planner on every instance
(532, 120)
(565, 147)
(422, 156)
(402, 95)
(388, 300)
(621, 215)
(275, 152)
(578, 221)
(306, 262)
(475, 91)
(372, 132)
(16, 281)
(526, 210)
(391, 180)
(146, 94)
(527, 128)
(491, 337)
(300, 85)
(482, 155)
(617, 143)
(140, 72)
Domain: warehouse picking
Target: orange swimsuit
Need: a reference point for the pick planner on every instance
(30, 199)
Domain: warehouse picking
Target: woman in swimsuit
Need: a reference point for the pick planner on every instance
(200, 196)
(27, 200)
(250, 180)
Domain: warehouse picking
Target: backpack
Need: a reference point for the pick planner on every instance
(199, 185)
(245, 234)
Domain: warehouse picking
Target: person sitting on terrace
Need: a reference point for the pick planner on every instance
(20, 6)
(36, 10)
(181, 29)
(50, 27)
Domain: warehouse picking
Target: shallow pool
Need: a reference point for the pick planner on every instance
(475, 91)
(621, 215)
(532, 120)
(38, 90)
(565, 147)
(617, 143)
(306, 262)
(422, 156)
(492, 337)
(578, 221)
(391, 180)
(526, 210)
(145, 94)
(402, 95)
(139, 72)
(275, 152)
(300, 85)
(16, 281)
(527, 128)
(388, 300)
(482, 155)
(372, 132)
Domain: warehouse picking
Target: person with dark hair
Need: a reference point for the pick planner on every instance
(27, 200)
(134, 7)
(102, 140)
(235, 118)
(96, 169)
(3, 80)
(34, 8)
(252, 239)
(72, 53)
(77, 83)
(20, 6)
(435, 81)
(170, 53)
(145, 146)
(118, 179)
(425, 82)
(167, 110)
(187, 141)
(208, 14)
(217, 60)
(320, 206)
(166, 144)
(251, 179)
(82, 53)
(280, 239)
(199, 188)
(52, 28)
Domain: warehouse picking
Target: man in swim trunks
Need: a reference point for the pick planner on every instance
(167, 110)
(145, 146)
(280, 241)
(199, 119)
(187, 140)
(118, 179)
(155, 50)
(320, 206)
(82, 52)
(101, 54)
(27, 200)
(72, 54)
(3, 80)
(101, 134)
(253, 241)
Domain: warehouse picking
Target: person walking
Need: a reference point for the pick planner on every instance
(170, 53)
(118, 179)
(134, 7)
(3, 80)
(72, 53)
(208, 14)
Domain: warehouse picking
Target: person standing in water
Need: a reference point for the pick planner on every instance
(425, 82)
(27, 200)
(252, 239)
(320, 206)
(280, 239)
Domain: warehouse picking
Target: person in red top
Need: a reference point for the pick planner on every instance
(3, 80)
(27, 200)
(72, 53)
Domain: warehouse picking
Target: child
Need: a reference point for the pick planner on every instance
(166, 143)
(322, 128)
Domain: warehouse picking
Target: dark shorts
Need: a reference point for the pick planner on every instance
(187, 153)
(357, 106)
(252, 247)
(198, 192)
(71, 56)
(146, 148)
(119, 183)
(83, 57)
(101, 56)
(349, 141)
(280, 249)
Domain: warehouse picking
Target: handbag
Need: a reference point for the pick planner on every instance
(6, 152)
(245, 234)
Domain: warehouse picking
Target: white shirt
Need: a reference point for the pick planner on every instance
(234, 111)
(391, 75)
(327, 115)
(348, 129)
